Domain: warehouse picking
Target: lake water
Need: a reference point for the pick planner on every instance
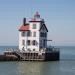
(65, 66)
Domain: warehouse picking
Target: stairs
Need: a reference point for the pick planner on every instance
(19, 55)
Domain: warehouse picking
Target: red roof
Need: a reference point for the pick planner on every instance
(24, 28)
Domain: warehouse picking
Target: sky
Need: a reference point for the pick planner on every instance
(59, 16)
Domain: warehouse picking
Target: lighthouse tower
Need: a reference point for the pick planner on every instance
(33, 35)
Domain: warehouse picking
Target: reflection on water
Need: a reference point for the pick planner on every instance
(30, 68)
(37, 68)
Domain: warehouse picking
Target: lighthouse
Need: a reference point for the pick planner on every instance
(33, 34)
(33, 42)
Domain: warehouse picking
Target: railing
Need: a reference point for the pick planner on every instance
(43, 50)
(32, 55)
(20, 54)
(52, 49)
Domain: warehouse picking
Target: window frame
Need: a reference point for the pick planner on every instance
(34, 42)
(34, 49)
(28, 42)
(23, 42)
(43, 34)
(23, 34)
(34, 34)
(34, 26)
(29, 33)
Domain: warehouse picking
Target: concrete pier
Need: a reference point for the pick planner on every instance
(52, 55)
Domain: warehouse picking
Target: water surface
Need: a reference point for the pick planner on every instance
(37, 68)
(66, 65)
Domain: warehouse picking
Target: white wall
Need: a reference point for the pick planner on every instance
(31, 38)
(37, 34)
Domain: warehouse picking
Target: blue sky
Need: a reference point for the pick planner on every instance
(58, 14)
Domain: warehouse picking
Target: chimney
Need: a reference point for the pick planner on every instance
(24, 21)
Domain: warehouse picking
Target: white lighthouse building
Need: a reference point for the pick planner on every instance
(33, 42)
(33, 35)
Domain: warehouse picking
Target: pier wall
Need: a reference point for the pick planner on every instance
(53, 56)
(13, 56)
(8, 58)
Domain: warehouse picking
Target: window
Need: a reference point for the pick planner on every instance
(40, 42)
(34, 42)
(23, 33)
(23, 49)
(34, 26)
(34, 34)
(44, 41)
(43, 34)
(40, 34)
(28, 42)
(33, 49)
(43, 28)
(23, 42)
(29, 49)
(29, 33)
